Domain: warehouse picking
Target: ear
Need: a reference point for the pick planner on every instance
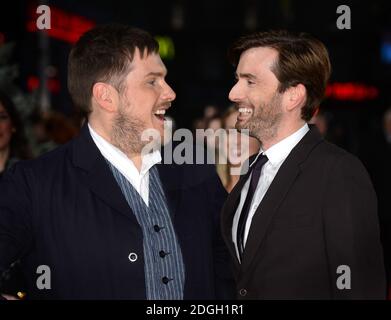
(295, 97)
(105, 96)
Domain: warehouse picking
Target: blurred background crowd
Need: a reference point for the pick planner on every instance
(36, 113)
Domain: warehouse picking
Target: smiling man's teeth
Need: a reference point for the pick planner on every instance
(245, 110)
(162, 111)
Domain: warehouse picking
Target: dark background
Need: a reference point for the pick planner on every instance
(200, 73)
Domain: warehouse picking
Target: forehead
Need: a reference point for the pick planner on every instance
(148, 63)
(257, 60)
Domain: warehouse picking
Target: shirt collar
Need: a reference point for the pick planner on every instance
(280, 151)
(119, 159)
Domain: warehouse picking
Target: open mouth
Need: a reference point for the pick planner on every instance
(160, 114)
(244, 113)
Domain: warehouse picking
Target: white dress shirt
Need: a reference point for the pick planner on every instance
(138, 179)
(276, 155)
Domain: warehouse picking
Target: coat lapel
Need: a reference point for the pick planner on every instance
(229, 210)
(171, 177)
(97, 175)
(267, 208)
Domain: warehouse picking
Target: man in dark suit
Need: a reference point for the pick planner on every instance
(99, 218)
(302, 222)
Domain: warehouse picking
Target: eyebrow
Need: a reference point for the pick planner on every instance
(156, 74)
(246, 76)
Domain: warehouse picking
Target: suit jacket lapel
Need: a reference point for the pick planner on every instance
(97, 175)
(268, 206)
(229, 210)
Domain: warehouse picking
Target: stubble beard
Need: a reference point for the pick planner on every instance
(126, 133)
(265, 122)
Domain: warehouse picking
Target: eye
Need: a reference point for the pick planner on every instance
(249, 82)
(152, 82)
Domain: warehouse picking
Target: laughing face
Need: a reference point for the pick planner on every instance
(255, 94)
(143, 103)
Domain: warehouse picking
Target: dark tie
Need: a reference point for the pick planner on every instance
(256, 172)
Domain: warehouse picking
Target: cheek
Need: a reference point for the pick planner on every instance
(145, 103)
(133, 107)
(256, 99)
(5, 133)
(6, 127)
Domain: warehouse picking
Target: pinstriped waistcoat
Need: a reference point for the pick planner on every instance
(163, 263)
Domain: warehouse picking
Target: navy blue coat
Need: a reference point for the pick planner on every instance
(65, 210)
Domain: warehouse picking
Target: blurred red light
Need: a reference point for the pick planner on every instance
(351, 91)
(65, 26)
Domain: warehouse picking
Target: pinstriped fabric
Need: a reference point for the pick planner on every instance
(156, 267)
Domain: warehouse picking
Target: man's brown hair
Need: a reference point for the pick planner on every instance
(301, 59)
(104, 54)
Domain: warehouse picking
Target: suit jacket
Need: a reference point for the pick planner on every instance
(65, 210)
(319, 213)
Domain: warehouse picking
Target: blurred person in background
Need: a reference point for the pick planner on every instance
(214, 124)
(321, 122)
(234, 147)
(50, 130)
(13, 143)
(13, 148)
(198, 123)
(59, 128)
(211, 111)
(214, 140)
(376, 154)
(209, 114)
(387, 126)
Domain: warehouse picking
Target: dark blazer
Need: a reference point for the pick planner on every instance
(65, 210)
(319, 213)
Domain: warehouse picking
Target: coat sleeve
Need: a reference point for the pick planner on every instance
(15, 218)
(351, 231)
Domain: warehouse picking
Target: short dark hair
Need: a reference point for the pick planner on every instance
(104, 53)
(301, 59)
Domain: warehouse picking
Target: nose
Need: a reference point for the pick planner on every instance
(234, 94)
(169, 94)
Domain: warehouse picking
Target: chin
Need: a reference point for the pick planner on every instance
(241, 127)
(160, 132)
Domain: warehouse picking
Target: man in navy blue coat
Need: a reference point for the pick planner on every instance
(97, 218)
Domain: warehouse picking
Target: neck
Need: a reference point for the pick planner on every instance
(282, 132)
(104, 131)
(4, 155)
